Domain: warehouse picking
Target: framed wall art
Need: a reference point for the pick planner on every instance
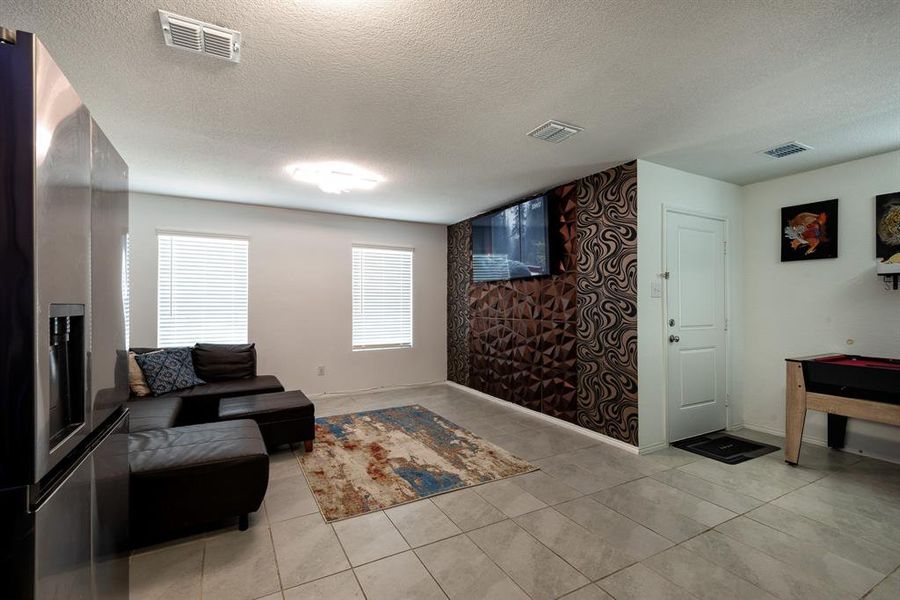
(809, 231)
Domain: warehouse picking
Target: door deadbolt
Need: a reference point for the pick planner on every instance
(671, 322)
(674, 339)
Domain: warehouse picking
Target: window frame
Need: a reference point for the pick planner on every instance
(200, 234)
(412, 296)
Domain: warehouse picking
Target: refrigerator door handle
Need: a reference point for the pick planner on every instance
(41, 492)
(89, 364)
(44, 490)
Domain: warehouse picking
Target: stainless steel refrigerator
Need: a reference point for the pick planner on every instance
(63, 361)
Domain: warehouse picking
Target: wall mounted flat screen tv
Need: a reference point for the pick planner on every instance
(511, 243)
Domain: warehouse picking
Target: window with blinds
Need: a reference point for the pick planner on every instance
(382, 298)
(202, 290)
(126, 288)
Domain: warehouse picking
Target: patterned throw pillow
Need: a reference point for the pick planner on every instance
(168, 370)
(136, 380)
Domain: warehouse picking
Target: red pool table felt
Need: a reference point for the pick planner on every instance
(861, 361)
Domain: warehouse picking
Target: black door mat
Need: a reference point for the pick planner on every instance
(725, 448)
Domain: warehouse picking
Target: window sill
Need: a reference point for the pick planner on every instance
(374, 348)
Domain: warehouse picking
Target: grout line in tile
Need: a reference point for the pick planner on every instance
(579, 526)
(205, 540)
(763, 551)
(730, 491)
(369, 562)
(359, 584)
(552, 551)
(430, 574)
(391, 521)
(496, 564)
(811, 518)
(465, 533)
(275, 557)
(681, 545)
(584, 587)
(340, 543)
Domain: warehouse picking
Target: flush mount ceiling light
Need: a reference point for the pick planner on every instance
(334, 177)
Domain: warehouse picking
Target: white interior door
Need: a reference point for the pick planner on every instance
(695, 324)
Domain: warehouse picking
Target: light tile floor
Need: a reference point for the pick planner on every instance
(594, 523)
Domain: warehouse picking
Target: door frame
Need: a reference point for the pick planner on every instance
(668, 209)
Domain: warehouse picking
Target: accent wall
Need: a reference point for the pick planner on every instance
(563, 345)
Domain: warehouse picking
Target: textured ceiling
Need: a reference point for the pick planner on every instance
(436, 95)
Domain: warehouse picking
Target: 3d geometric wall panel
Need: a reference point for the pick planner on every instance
(564, 345)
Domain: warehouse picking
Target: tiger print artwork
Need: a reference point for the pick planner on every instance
(563, 345)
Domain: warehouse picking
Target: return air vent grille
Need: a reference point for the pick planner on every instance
(216, 43)
(788, 149)
(202, 38)
(554, 131)
(185, 35)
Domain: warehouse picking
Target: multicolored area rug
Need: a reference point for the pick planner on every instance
(368, 461)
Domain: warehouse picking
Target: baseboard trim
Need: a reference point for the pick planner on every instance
(824, 443)
(780, 433)
(372, 390)
(653, 447)
(593, 434)
(665, 444)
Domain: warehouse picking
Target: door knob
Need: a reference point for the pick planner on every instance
(673, 339)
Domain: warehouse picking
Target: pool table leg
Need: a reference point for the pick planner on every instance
(795, 412)
(837, 430)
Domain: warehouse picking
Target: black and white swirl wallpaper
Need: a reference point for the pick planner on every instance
(607, 302)
(459, 263)
(564, 345)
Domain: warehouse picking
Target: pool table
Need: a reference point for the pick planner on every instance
(842, 385)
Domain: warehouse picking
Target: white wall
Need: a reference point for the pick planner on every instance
(803, 308)
(660, 186)
(300, 278)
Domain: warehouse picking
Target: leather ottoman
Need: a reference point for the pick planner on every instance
(283, 417)
(182, 477)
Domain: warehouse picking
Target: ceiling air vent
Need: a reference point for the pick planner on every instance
(202, 38)
(785, 150)
(554, 131)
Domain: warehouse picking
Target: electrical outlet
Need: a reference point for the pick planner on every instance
(320, 371)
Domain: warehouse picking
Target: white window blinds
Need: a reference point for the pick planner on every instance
(382, 298)
(126, 288)
(202, 290)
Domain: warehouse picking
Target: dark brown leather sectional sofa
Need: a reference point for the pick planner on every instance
(186, 477)
(229, 370)
(188, 469)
